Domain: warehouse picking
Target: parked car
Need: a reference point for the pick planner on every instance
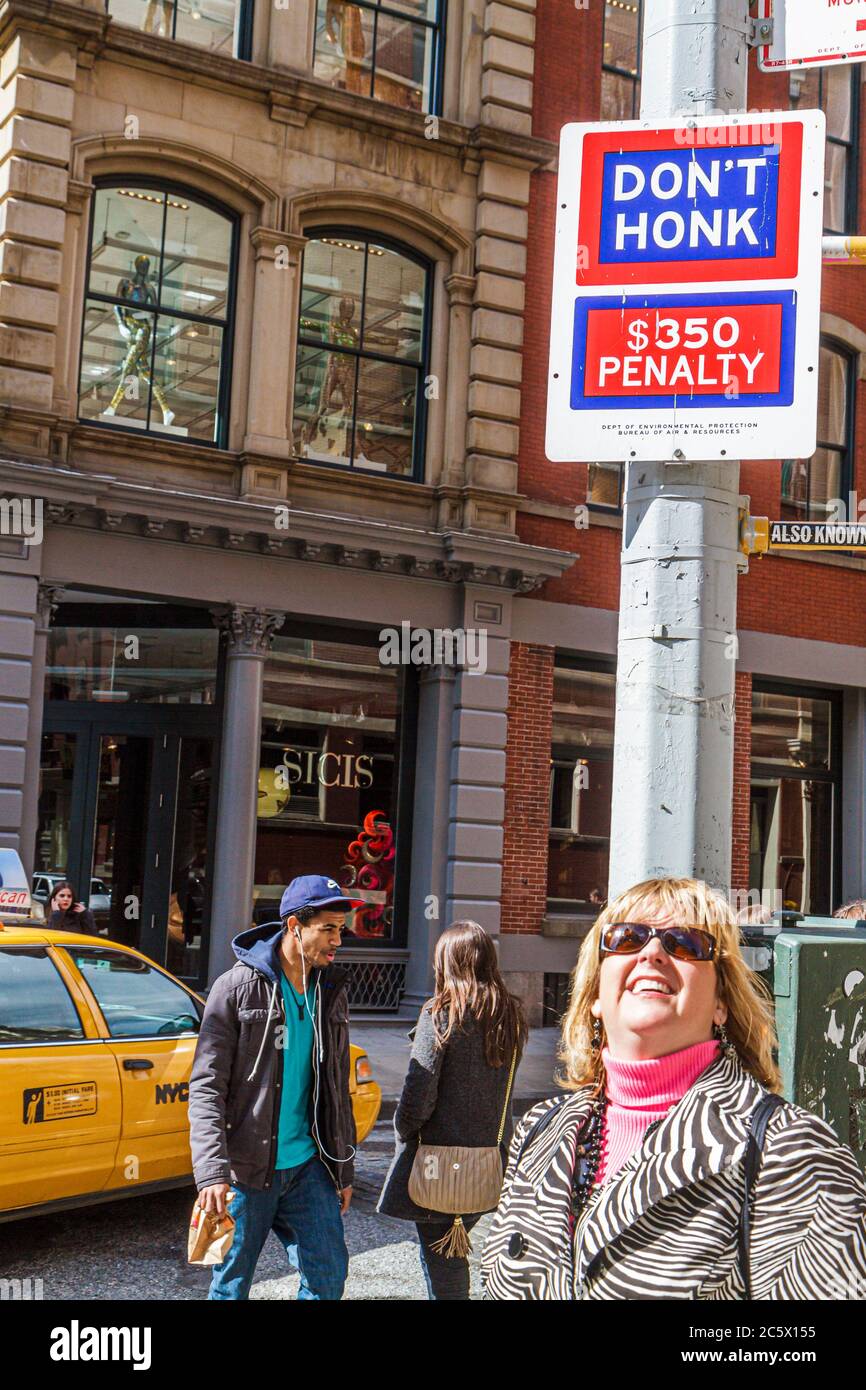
(96, 1048)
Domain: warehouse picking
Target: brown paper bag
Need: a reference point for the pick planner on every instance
(210, 1236)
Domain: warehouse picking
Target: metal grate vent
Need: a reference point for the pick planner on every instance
(376, 984)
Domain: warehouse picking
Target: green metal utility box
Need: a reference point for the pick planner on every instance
(816, 968)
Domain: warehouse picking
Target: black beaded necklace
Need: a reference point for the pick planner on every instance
(588, 1156)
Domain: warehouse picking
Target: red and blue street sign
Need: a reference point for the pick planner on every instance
(691, 211)
(641, 351)
(686, 289)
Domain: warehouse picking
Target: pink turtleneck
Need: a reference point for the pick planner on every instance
(639, 1093)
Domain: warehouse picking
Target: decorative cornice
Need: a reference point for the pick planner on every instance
(182, 517)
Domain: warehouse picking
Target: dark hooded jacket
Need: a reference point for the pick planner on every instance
(236, 1082)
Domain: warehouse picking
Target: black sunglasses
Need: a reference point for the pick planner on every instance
(683, 943)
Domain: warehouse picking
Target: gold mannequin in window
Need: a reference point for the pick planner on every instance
(136, 329)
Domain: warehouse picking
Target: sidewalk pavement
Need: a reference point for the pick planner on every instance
(389, 1048)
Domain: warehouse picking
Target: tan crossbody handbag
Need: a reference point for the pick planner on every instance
(458, 1180)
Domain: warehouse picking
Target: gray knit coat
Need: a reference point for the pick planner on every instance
(450, 1096)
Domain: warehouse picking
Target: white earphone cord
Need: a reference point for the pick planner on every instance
(316, 1016)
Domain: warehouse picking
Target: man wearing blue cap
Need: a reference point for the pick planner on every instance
(269, 1106)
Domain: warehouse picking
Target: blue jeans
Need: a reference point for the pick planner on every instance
(302, 1208)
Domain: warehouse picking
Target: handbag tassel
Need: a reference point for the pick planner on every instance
(455, 1244)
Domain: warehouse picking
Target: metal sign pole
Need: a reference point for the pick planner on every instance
(673, 754)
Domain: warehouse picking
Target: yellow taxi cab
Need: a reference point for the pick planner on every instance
(96, 1048)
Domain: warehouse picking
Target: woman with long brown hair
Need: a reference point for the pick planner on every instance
(467, 1046)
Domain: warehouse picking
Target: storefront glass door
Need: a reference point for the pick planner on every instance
(126, 811)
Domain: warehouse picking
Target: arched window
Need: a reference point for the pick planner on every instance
(390, 50)
(809, 485)
(157, 321)
(362, 346)
(221, 26)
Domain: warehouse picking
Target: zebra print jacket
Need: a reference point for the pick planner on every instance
(665, 1225)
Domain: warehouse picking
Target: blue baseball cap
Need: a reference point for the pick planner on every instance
(314, 890)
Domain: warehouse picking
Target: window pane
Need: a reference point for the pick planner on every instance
(583, 708)
(394, 304)
(835, 186)
(791, 842)
(115, 364)
(825, 483)
(34, 1003)
(418, 9)
(56, 773)
(328, 775)
(404, 63)
(344, 46)
(189, 872)
(620, 97)
(621, 35)
(790, 730)
(186, 378)
(581, 793)
(324, 400)
(832, 396)
(210, 24)
(577, 872)
(195, 273)
(332, 289)
(118, 838)
(136, 1000)
(603, 485)
(127, 225)
(836, 94)
(385, 422)
(159, 666)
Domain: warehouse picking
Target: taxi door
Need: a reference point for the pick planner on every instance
(151, 1025)
(59, 1084)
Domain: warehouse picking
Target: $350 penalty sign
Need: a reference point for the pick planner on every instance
(687, 289)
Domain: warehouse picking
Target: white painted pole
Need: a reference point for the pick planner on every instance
(674, 746)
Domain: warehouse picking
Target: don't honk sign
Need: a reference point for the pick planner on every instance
(686, 293)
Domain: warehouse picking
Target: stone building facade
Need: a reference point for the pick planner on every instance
(220, 543)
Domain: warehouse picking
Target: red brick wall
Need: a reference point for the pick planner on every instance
(742, 774)
(790, 597)
(527, 788)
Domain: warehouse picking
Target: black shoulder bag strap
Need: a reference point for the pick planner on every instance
(761, 1116)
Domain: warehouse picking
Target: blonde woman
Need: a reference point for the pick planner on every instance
(674, 1170)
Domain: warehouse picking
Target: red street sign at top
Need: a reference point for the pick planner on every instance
(681, 209)
(818, 32)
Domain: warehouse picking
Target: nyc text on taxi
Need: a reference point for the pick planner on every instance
(96, 1048)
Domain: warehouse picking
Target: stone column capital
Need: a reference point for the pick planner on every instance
(47, 599)
(268, 244)
(461, 289)
(250, 630)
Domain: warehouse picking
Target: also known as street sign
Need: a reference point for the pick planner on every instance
(812, 31)
(686, 294)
